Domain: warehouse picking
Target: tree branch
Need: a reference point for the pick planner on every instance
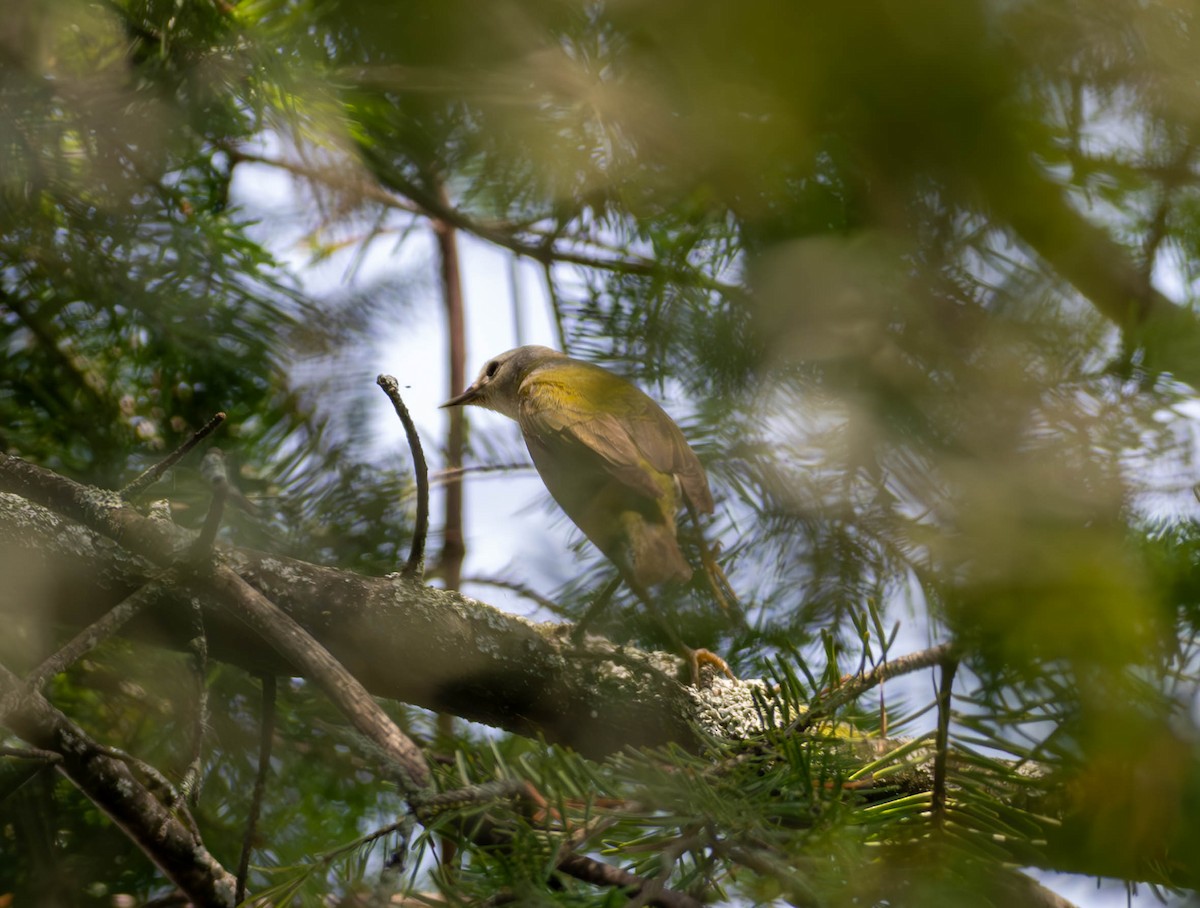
(415, 566)
(406, 641)
(110, 785)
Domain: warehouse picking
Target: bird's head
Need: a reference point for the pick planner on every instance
(496, 386)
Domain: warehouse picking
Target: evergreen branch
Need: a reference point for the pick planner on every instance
(90, 384)
(410, 198)
(520, 589)
(598, 873)
(854, 687)
(942, 740)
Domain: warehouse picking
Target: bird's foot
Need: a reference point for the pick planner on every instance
(719, 583)
(698, 657)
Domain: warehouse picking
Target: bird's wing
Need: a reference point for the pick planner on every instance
(615, 420)
(663, 444)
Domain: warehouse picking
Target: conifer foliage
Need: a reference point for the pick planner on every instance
(918, 282)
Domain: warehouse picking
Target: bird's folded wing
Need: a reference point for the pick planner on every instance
(641, 436)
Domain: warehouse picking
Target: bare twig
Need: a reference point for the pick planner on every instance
(857, 686)
(521, 590)
(453, 546)
(718, 582)
(942, 745)
(598, 873)
(762, 862)
(266, 736)
(599, 604)
(555, 304)
(296, 645)
(340, 178)
(516, 237)
(514, 290)
(1176, 173)
(415, 566)
(30, 753)
(156, 783)
(213, 468)
(152, 475)
(448, 475)
(669, 857)
(91, 636)
(198, 653)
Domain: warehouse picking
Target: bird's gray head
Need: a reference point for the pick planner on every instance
(496, 386)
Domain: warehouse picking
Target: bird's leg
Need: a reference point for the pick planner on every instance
(717, 581)
(594, 609)
(695, 657)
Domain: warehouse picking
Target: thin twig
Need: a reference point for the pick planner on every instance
(91, 636)
(213, 468)
(154, 473)
(598, 873)
(291, 641)
(772, 868)
(158, 784)
(198, 652)
(514, 290)
(30, 753)
(517, 238)
(669, 857)
(1168, 192)
(415, 566)
(448, 475)
(599, 604)
(942, 742)
(855, 687)
(718, 582)
(521, 590)
(266, 736)
(555, 304)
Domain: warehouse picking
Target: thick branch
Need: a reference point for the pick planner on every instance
(110, 785)
(401, 640)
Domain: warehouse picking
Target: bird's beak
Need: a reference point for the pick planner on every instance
(468, 396)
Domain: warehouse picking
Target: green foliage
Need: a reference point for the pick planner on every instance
(900, 272)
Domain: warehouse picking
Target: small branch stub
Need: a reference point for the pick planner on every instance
(154, 473)
(415, 566)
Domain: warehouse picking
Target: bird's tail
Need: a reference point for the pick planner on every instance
(652, 554)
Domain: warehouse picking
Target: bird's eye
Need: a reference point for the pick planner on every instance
(491, 369)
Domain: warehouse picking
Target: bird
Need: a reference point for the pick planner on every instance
(611, 457)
